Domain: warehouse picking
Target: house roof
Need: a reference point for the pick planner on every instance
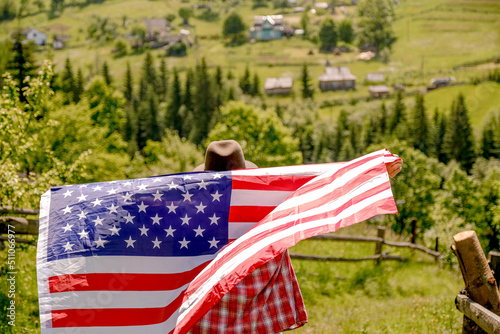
(374, 77)
(273, 19)
(272, 83)
(379, 89)
(159, 24)
(337, 74)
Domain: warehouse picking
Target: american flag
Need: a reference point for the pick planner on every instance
(155, 254)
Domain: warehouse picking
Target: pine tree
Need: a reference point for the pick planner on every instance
(22, 63)
(459, 140)
(342, 125)
(219, 87)
(68, 81)
(148, 77)
(163, 81)
(307, 91)
(440, 125)
(128, 90)
(174, 120)
(130, 130)
(78, 87)
(398, 119)
(205, 106)
(245, 82)
(106, 75)
(147, 119)
(383, 120)
(255, 85)
(188, 90)
(490, 137)
(420, 134)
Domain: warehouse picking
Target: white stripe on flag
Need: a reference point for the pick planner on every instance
(126, 264)
(112, 299)
(245, 197)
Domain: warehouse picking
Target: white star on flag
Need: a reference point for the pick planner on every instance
(130, 242)
(216, 196)
(187, 196)
(67, 209)
(67, 227)
(112, 191)
(214, 220)
(142, 187)
(100, 242)
(82, 197)
(97, 188)
(170, 231)
(184, 243)
(82, 215)
(172, 185)
(112, 208)
(98, 221)
(97, 202)
(83, 234)
(201, 207)
(68, 246)
(67, 193)
(114, 230)
(213, 242)
(144, 230)
(202, 185)
(171, 207)
(157, 196)
(142, 207)
(129, 218)
(185, 220)
(127, 197)
(199, 231)
(156, 219)
(156, 243)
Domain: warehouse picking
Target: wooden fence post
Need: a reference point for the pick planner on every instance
(379, 244)
(478, 277)
(494, 259)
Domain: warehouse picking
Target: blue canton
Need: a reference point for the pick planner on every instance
(174, 215)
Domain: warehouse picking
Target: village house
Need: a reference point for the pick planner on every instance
(374, 78)
(267, 27)
(156, 29)
(278, 85)
(441, 82)
(379, 91)
(337, 78)
(35, 35)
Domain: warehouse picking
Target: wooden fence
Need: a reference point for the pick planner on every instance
(14, 219)
(379, 242)
(479, 301)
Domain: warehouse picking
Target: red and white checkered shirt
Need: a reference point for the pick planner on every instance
(266, 301)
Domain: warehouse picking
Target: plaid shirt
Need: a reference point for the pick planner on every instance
(266, 301)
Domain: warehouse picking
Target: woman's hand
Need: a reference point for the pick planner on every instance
(394, 168)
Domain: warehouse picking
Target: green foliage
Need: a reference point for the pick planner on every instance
(261, 134)
(459, 139)
(245, 82)
(172, 155)
(28, 167)
(233, 27)
(185, 13)
(346, 31)
(307, 89)
(101, 28)
(305, 23)
(22, 64)
(490, 137)
(398, 123)
(128, 90)
(177, 50)
(106, 105)
(374, 23)
(105, 74)
(174, 120)
(8, 10)
(202, 112)
(420, 131)
(328, 34)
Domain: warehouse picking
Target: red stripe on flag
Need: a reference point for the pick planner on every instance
(122, 282)
(269, 182)
(248, 214)
(114, 317)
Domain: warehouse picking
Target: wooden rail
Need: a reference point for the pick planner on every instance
(378, 256)
(487, 320)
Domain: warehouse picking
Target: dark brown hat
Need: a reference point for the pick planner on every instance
(224, 155)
